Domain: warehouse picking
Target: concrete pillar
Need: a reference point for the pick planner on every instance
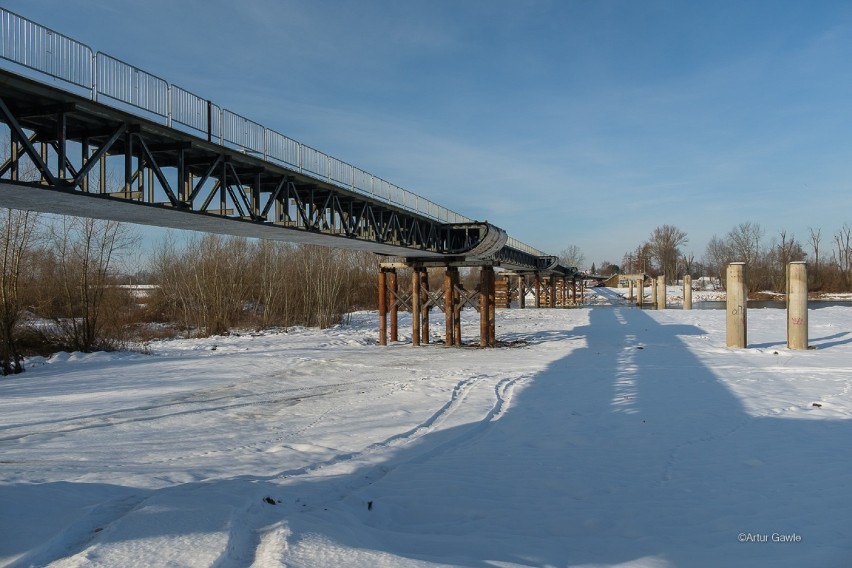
(654, 292)
(737, 308)
(394, 305)
(661, 292)
(449, 310)
(522, 291)
(383, 308)
(425, 308)
(629, 290)
(537, 290)
(640, 291)
(687, 292)
(797, 305)
(415, 307)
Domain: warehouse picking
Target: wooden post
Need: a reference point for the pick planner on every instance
(537, 290)
(737, 308)
(492, 307)
(552, 291)
(415, 307)
(424, 312)
(522, 291)
(449, 308)
(687, 292)
(394, 305)
(484, 309)
(797, 305)
(456, 309)
(383, 310)
(640, 291)
(574, 292)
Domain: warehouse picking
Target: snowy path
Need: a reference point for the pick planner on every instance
(614, 437)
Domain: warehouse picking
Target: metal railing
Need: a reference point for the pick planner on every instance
(41, 49)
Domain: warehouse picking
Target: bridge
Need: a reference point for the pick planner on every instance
(93, 136)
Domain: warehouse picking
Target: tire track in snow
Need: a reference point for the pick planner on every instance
(76, 539)
(503, 392)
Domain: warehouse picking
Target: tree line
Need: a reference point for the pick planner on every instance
(62, 286)
(766, 256)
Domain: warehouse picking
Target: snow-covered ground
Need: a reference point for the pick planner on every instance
(606, 436)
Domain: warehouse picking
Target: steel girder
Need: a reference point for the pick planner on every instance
(111, 160)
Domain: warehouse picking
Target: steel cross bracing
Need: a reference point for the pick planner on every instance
(73, 147)
(74, 154)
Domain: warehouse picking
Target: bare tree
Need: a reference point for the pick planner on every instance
(86, 250)
(744, 241)
(786, 251)
(717, 255)
(15, 242)
(842, 256)
(815, 237)
(572, 256)
(665, 243)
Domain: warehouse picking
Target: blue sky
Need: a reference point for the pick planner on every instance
(564, 122)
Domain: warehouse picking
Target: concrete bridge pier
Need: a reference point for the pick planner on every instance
(661, 292)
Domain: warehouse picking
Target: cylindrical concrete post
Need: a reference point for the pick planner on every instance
(737, 308)
(640, 291)
(629, 290)
(415, 307)
(797, 305)
(661, 292)
(383, 308)
(687, 292)
(654, 292)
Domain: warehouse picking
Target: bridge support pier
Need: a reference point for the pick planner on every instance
(393, 304)
(661, 292)
(687, 292)
(426, 306)
(522, 291)
(487, 312)
(415, 307)
(538, 289)
(450, 277)
(383, 309)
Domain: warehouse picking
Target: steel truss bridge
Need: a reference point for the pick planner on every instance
(93, 136)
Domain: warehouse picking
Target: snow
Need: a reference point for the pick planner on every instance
(605, 436)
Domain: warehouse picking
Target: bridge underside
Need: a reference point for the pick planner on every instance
(62, 202)
(73, 156)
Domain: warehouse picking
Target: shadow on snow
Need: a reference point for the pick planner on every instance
(627, 449)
